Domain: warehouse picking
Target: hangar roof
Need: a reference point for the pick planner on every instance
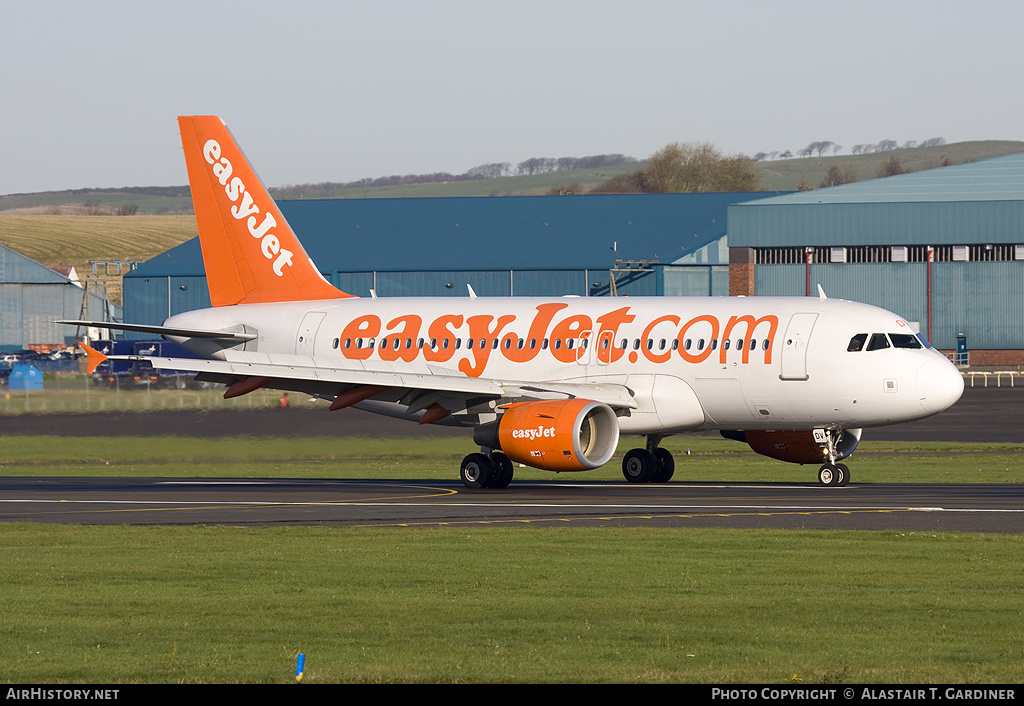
(998, 179)
(495, 233)
(15, 267)
(980, 202)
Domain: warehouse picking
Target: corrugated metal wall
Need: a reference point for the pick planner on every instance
(982, 300)
(153, 299)
(695, 281)
(927, 223)
(28, 310)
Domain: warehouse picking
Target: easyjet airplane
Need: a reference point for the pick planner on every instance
(549, 383)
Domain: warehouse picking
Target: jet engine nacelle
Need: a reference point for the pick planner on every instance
(554, 435)
(795, 446)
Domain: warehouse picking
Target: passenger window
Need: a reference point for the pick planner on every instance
(857, 342)
(878, 342)
(904, 340)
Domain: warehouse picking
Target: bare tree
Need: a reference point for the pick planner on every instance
(819, 146)
(892, 167)
(681, 167)
(839, 175)
(490, 171)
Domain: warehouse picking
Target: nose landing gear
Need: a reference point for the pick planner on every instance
(831, 473)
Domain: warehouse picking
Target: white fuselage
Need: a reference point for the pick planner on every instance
(691, 362)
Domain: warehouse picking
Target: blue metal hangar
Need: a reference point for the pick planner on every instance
(32, 296)
(651, 244)
(944, 248)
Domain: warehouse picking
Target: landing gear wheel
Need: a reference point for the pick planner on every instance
(476, 471)
(638, 465)
(845, 470)
(665, 466)
(503, 471)
(832, 475)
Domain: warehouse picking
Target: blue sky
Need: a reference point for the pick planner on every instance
(336, 91)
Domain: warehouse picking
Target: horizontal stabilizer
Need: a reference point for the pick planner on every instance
(236, 336)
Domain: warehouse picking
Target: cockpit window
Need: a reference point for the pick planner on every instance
(878, 342)
(904, 340)
(857, 342)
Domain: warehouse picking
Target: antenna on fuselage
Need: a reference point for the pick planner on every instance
(821, 293)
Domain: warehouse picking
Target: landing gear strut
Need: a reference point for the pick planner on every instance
(480, 470)
(831, 473)
(652, 464)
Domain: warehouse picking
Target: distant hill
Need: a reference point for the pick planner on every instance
(75, 240)
(776, 175)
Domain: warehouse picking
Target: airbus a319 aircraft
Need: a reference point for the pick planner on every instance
(546, 382)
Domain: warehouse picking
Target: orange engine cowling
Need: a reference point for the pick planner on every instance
(555, 435)
(795, 446)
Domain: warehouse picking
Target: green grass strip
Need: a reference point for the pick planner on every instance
(215, 604)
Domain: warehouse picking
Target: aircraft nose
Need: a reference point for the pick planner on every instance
(939, 384)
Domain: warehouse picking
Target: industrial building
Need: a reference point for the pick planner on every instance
(943, 248)
(32, 297)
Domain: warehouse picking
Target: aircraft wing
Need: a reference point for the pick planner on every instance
(415, 391)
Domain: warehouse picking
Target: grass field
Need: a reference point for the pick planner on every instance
(216, 604)
(75, 240)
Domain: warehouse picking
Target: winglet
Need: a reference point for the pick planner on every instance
(95, 358)
(250, 252)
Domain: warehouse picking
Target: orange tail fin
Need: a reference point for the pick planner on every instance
(249, 250)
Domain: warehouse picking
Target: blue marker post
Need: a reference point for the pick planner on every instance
(300, 667)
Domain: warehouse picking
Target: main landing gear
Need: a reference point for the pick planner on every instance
(480, 470)
(652, 464)
(831, 473)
